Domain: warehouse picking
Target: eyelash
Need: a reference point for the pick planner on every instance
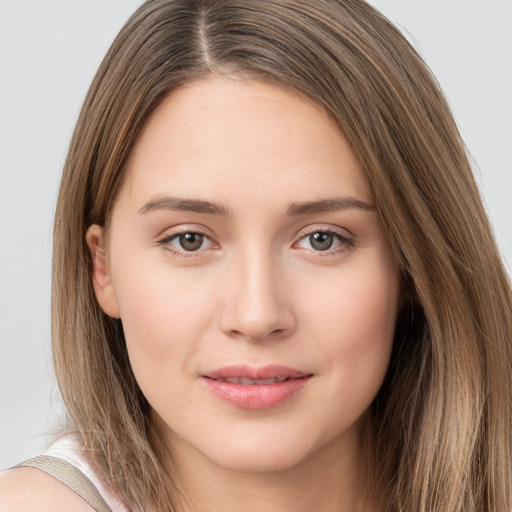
(165, 243)
(345, 243)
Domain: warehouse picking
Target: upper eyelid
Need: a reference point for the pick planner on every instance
(343, 239)
(347, 241)
(302, 233)
(342, 232)
(164, 243)
(172, 236)
(171, 232)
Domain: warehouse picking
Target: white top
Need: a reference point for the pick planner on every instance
(69, 449)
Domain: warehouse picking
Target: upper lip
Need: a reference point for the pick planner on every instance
(249, 372)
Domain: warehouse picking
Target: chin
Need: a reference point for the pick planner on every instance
(264, 450)
(258, 459)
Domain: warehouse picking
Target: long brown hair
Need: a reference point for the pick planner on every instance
(441, 424)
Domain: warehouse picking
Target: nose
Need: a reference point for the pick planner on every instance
(257, 302)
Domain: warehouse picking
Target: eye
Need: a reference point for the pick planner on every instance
(188, 241)
(322, 241)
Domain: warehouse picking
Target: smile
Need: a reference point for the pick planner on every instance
(256, 388)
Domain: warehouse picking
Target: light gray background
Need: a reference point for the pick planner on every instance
(49, 51)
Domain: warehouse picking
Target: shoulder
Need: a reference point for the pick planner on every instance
(30, 489)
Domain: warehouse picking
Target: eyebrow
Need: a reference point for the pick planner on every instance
(184, 205)
(329, 205)
(295, 209)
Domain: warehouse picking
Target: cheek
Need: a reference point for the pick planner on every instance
(356, 303)
(164, 315)
(353, 320)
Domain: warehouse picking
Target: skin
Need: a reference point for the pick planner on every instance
(258, 291)
(32, 490)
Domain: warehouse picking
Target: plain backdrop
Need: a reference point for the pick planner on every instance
(49, 52)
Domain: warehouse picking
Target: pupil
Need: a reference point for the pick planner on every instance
(191, 241)
(321, 241)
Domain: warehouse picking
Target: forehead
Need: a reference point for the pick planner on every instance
(219, 135)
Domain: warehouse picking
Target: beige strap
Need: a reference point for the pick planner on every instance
(70, 476)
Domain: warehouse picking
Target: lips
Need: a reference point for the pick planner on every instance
(256, 388)
(245, 381)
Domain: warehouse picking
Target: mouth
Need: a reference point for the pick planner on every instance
(256, 388)
(246, 381)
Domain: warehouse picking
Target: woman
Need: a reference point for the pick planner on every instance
(274, 281)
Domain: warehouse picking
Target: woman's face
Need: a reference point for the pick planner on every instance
(256, 287)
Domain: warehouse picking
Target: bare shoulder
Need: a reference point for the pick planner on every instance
(30, 489)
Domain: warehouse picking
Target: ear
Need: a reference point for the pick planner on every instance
(101, 279)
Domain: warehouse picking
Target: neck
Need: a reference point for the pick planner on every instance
(329, 480)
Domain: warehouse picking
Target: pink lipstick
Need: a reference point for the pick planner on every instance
(256, 388)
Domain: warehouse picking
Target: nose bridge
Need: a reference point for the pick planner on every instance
(257, 306)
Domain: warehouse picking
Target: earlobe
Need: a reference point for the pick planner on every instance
(101, 279)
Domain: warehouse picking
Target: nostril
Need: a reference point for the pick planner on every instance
(257, 310)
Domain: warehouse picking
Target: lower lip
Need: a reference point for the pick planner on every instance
(254, 396)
